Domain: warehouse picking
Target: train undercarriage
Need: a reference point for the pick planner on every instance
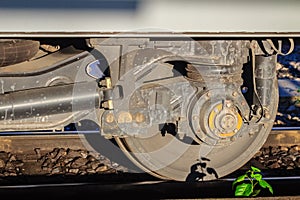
(179, 108)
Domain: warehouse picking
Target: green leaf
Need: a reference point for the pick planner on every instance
(258, 177)
(239, 179)
(254, 169)
(255, 192)
(245, 189)
(265, 184)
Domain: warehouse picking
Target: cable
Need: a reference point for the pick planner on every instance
(279, 51)
(252, 47)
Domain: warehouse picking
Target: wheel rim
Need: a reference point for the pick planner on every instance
(181, 167)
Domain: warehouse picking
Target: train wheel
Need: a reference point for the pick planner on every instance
(197, 124)
(169, 158)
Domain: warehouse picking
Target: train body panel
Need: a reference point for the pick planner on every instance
(144, 16)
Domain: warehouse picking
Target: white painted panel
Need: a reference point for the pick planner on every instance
(149, 15)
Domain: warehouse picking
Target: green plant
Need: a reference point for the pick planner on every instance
(251, 183)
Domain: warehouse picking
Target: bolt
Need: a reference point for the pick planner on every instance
(140, 117)
(102, 83)
(228, 104)
(109, 118)
(267, 115)
(234, 94)
(251, 133)
(108, 136)
(108, 82)
(107, 104)
(104, 104)
(110, 104)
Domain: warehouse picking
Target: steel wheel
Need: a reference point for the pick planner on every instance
(167, 157)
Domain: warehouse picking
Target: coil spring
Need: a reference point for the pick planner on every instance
(214, 73)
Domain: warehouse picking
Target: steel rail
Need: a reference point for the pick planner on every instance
(275, 178)
(59, 133)
(26, 142)
(144, 182)
(279, 128)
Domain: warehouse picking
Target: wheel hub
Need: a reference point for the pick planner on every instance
(217, 118)
(224, 121)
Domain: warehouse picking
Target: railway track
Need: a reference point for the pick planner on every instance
(20, 142)
(283, 136)
(42, 153)
(112, 182)
(28, 174)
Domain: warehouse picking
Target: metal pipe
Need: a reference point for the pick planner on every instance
(49, 101)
